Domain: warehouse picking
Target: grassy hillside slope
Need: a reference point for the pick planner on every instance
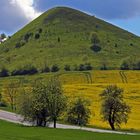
(62, 36)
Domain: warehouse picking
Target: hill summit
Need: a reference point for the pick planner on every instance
(65, 36)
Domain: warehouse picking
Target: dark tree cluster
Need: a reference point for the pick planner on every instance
(130, 65)
(4, 72)
(26, 70)
(84, 67)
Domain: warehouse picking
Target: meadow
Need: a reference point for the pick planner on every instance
(90, 85)
(9, 131)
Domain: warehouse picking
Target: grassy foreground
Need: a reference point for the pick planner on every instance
(9, 131)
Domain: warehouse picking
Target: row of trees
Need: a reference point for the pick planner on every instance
(27, 70)
(130, 65)
(45, 102)
(30, 69)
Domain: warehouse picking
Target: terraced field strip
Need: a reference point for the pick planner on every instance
(89, 77)
(123, 77)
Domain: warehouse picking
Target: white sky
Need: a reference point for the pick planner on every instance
(27, 7)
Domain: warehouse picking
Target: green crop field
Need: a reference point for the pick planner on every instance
(9, 131)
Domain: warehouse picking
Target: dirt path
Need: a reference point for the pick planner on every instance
(12, 117)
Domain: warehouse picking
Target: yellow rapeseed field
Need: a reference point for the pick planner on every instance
(90, 85)
(92, 91)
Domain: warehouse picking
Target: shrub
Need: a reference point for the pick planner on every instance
(58, 39)
(27, 36)
(104, 67)
(79, 112)
(96, 48)
(20, 44)
(67, 68)
(94, 39)
(4, 72)
(46, 69)
(3, 104)
(37, 36)
(54, 68)
(40, 30)
(116, 45)
(95, 42)
(125, 66)
(83, 67)
(88, 66)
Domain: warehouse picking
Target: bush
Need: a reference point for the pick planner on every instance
(4, 72)
(58, 39)
(46, 69)
(96, 48)
(37, 36)
(3, 104)
(67, 68)
(104, 67)
(94, 39)
(125, 66)
(116, 45)
(40, 30)
(20, 44)
(26, 70)
(95, 43)
(27, 36)
(83, 67)
(88, 66)
(54, 68)
(79, 112)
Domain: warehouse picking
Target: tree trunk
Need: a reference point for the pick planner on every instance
(112, 125)
(54, 121)
(12, 107)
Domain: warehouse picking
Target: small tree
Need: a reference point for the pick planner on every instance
(37, 36)
(95, 42)
(125, 66)
(10, 93)
(54, 68)
(3, 36)
(114, 110)
(42, 102)
(56, 100)
(104, 67)
(79, 112)
(95, 39)
(88, 66)
(32, 103)
(0, 97)
(58, 39)
(67, 68)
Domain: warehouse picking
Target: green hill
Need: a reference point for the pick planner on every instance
(63, 36)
